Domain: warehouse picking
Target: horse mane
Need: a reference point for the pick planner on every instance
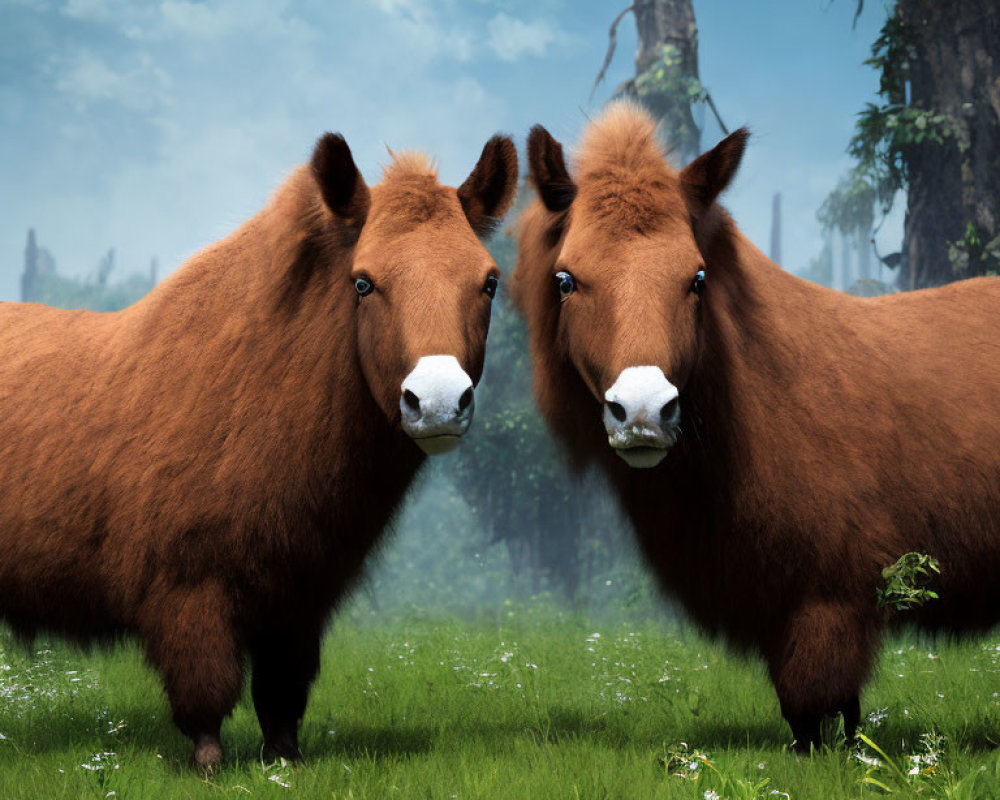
(410, 194)
(624, 135)
(625, 178)
(409, 164)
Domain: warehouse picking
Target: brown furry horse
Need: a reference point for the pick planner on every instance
(208, 468)
(796, 440)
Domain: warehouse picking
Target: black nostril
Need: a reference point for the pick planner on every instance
(465, 399)
(617, 411)
(669, 410)
(411, 400)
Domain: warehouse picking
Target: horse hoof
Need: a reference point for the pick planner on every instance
(208, 754)
(278, 750)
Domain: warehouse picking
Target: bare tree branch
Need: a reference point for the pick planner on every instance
(715, 111)
(857, 13)
(625, 89)
(612, 43)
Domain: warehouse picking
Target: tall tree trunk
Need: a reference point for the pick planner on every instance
(30, 274)
(864, 250)
(668, 40)
(776, 228)
(956, 72)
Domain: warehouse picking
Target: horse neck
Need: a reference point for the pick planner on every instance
(761, 328)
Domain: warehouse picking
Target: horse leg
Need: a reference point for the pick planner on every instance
(851, 711)
(805, 729)
(191, 641)
(818, 663)
(285, 662)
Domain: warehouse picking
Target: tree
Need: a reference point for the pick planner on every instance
(42, 283)
(935, 135)
(666, 70)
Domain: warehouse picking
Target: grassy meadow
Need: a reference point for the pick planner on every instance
(532, 704)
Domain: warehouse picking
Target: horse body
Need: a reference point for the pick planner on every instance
(208, 468)
(820, 436)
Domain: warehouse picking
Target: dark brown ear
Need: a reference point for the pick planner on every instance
(344, 190)
(705, 177)
(548, 170)
(489, 190)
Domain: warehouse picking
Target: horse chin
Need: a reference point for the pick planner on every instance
(642, 457)
(436, 445)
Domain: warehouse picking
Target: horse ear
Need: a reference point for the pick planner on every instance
(488, 192)
(548, 171)
(705, 178)
(344, 190)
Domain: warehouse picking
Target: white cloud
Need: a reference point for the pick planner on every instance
(425, 32)
(87, 78)
(220, 19)
(512, 38)
(91, 10)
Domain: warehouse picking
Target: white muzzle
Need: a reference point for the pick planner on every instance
(436, 403)
(642, 416)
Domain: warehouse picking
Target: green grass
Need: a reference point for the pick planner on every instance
(535, 708)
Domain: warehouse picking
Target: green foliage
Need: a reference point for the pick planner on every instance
(883, 129)
(884, 135)
(680, 761)
(911, 774)
(849, 207)
(886, 130)
(973, 254)
(669, 92)
(906, 582)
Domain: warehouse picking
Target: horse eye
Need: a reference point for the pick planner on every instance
(698, 284)
(363, 286)
(567, 284)
(490, 287)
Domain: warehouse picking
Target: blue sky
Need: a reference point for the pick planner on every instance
(157, 127)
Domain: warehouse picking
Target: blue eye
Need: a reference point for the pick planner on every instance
(490, 287)
(698, 284)
(567, 284)
(363, 286)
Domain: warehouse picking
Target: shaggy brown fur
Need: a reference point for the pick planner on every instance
(208, 468)
(822, 435)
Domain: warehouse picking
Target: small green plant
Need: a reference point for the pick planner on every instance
(680, 761)
(908, 774)
(906, 582)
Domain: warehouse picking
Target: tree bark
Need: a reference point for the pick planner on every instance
(30, 273)
(955, 71)
(670, 23)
